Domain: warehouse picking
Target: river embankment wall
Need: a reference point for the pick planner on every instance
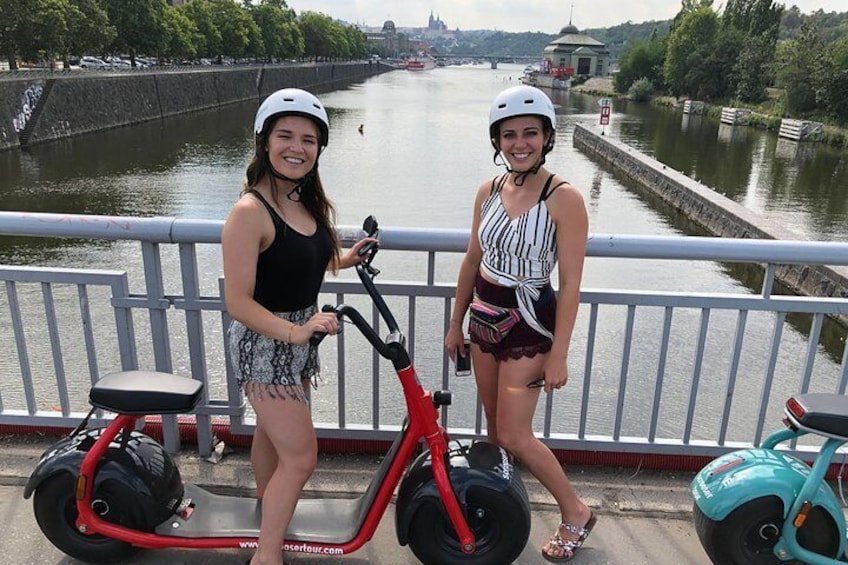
(715, 213)
(56, 106)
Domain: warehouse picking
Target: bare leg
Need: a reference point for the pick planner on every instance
(516, 406)
(486, 375)
(289, 430)
(263, 458)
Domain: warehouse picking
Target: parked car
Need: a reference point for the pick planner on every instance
(93, 63)
(117, 63)
(145, 62)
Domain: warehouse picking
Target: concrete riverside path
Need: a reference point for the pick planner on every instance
(644, 517)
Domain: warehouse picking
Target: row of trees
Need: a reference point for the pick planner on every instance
(266, 30)
(736, 56)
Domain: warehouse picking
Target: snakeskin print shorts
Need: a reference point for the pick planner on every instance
(275, 365)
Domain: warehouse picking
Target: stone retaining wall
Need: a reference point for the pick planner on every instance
(712, 211)
(84, 102)
(16, 102)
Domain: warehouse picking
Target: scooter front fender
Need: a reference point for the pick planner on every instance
(741, 476)
(471, 464)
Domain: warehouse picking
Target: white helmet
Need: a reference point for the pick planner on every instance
(292, 101)
(520, 100)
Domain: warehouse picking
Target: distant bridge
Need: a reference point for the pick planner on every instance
(489, 58)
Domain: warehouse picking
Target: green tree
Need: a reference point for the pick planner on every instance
(317, 35)
(832, 86)
(799, 65)
(644, 59)
(757, 18)
(687, 7)
(715, 80)
(181, 36)
(139, 24)
(208, 41)
(752, 71)
(791, 22)
(89, 29)
(235, 26)
(689, 61)
(759, 23)
(43, 29)
(641, 90)
(11, 10)
(357, 42)
(281, 37)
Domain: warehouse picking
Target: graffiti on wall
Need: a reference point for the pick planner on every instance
(29, 99)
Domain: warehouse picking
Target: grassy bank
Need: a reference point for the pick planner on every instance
(762, 117)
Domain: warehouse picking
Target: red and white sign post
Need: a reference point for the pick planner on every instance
(606, 112)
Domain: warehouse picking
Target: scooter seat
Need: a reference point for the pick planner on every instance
(823, 412)
(145, 392)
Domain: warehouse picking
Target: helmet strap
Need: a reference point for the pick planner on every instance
(294, 195)
(519, 177)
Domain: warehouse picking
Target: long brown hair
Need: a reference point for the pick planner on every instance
(312, 194)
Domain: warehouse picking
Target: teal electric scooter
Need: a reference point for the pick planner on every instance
(758, 506)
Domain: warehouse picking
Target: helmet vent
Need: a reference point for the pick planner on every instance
(528, 101)
(501, 106)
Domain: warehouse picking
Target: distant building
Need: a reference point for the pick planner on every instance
(436, 24)
(578, 53)
(388, 42)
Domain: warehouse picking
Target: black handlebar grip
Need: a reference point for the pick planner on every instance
(316, 338)
(367, 248)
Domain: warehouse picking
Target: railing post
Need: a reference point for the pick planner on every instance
(196, 342)
(154, 282)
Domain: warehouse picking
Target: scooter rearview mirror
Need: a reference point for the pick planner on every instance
(369, 226)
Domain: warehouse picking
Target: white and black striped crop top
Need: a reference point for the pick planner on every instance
(519, 252)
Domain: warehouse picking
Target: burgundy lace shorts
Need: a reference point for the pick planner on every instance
(522, 340)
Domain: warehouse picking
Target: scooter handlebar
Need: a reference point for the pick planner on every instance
(352, 314)
(316, 338)
(366, 274)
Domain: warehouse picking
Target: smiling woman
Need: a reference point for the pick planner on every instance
(524, 223)
(277, 243)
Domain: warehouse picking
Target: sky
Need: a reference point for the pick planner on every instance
(546, 16)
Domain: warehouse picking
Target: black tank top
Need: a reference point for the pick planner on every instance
(290, 272)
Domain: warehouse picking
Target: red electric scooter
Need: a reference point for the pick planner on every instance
(101, 494)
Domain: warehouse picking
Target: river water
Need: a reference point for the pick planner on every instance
(420, 155)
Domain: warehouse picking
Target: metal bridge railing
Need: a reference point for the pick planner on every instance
(652, 371)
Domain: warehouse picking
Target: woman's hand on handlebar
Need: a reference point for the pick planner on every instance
(322, 322)
(358, 252)
(454, 340)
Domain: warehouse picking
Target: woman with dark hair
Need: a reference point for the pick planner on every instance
(278, 241)
(526, 222)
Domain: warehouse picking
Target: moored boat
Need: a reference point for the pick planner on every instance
(420, 63)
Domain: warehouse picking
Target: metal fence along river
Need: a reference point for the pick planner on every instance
(700, 389)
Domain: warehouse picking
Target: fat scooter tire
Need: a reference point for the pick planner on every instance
(747, 535)
(499, 520)
(55, 509)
